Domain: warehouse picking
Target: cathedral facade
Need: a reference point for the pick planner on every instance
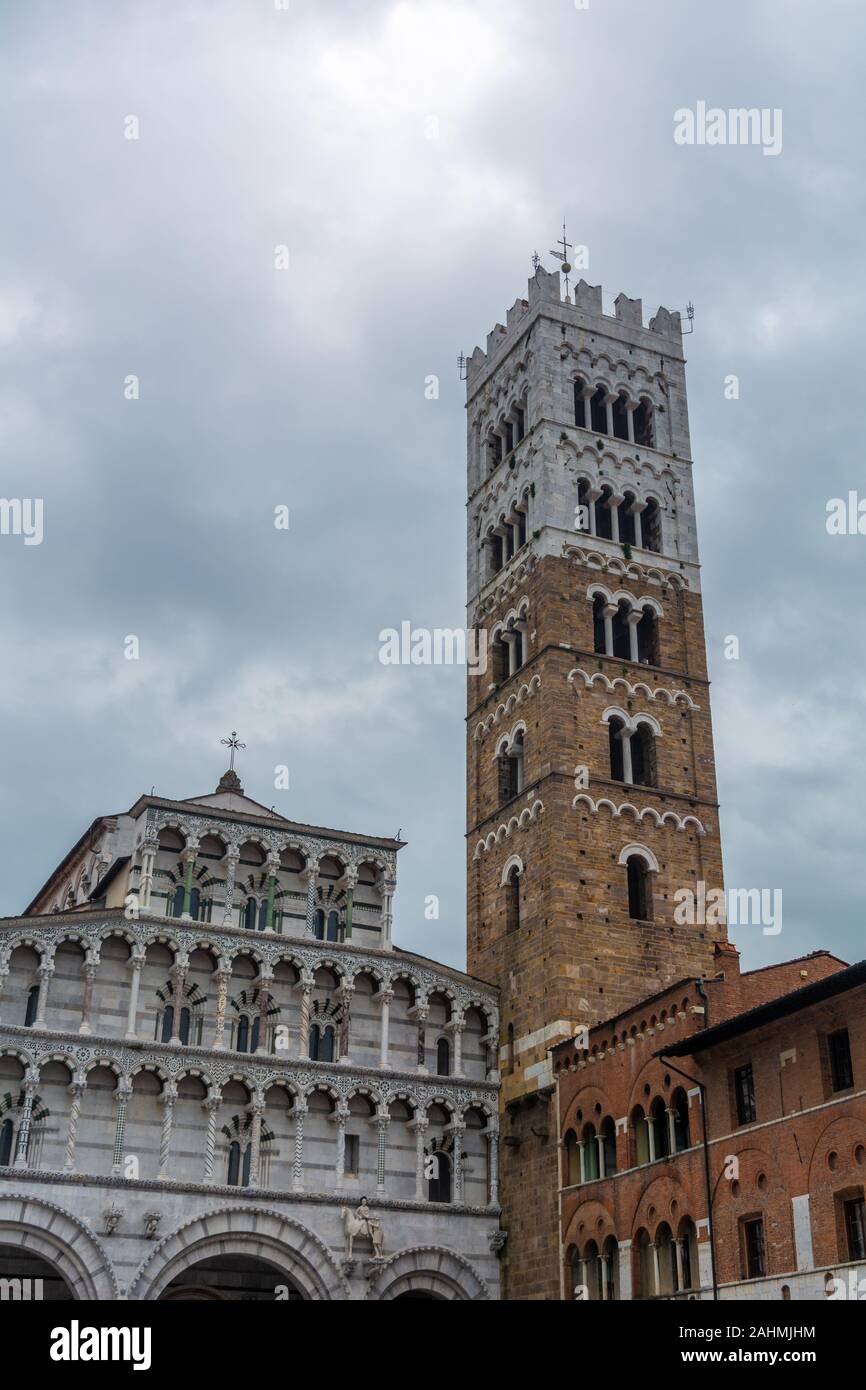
(221, 1079)
(591, 780)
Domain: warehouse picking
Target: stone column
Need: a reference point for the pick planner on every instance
(233, 854)
(457, 1025)
(181, 966)
(491, 1043)
(608, 613)
(211, 1105)
(633, 619)
(45, 972)
(387, 887)
(581, 1145)
(385, 997)
(350, 879)
(420, 1126)
(602, 1260)
(299, 1110)
(304, 1032)
(266, 977)
(382, 1122)
(608, 409)
(678, 1248)
(672, 1131)
(599, 1141)
(651, 1138)
(169, 1096)
(273, 866)
(90, 965)
(457, 1155)
(148, 863)
(345, 992)
(627, 771)
(422, 1013)
(625, 1290)
(222, 976)
(76, 1091)
(492, 1137)
(310, 875)
(121, 1097)
(614, 519)
(4, 973)
(258, 1110)
(340, 1119)
(136, 961)
(656, 1273)
(587, 407)
(189, 856)
(629, 415)
(31, 1081)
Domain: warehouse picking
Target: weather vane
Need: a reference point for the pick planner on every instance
(563, 257)
(234, 745)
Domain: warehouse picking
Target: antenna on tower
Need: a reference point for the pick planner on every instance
(536, 260)
(562, 256)
(690, 315)
(461, 366)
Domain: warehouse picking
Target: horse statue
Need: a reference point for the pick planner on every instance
(362, 1222)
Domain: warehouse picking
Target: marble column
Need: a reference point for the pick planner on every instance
(340, 1118)
(222, 976)
(492, 1137)
(148, 863)
(121, 1098)
(211, 1105)
(304, 1031)
(382, 1122)
(179, 996)
(310, 875)
(135, 963)
(385, 997)
(258, 1110)
(91, 963)
(168, 1098)
(45, 972)
(266, 979)
(232, 856)
(299, 1110)
(422, 1013)
(273, 867)
(420, 1127)
(457, 1157)
(76, 1091)
(31, 1081)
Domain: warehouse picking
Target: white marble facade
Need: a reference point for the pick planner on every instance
(211, 1053)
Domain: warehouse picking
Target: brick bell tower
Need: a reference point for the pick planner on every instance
(591, 788)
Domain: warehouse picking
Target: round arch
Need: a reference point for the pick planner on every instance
(62, 1240)
(431, 1270)
(265, 1235)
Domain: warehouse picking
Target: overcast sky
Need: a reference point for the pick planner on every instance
(310, 128)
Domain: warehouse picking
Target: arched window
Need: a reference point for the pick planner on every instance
(620, 417)
(245, 1167)
(263, 914)
(661, 1129)
(511, 769)
(627, 530)
(599, 604)
(250, 914)
(7, 1131)
(643, 757)
(586, 516)
(651, 527)
(177, 901)
(242, 1041)
(608, 1139)
(647, 639)
(32, 1006)
(615, 730)
(621, 638)
(680, 1107)
(499, 660)
(443, 1058)
(639, 893)
(598, 411)
(314, 1043)
(581, 406)
(439, 1185)
(333, 926)
(167, 1023)
(572, 1159)
(603, 517)
(234, 1165)
(512, 899)
(319, 924)
(643, 425)
(590, 1153)
(185, 1018)
(640, 1136)
(321, 1043)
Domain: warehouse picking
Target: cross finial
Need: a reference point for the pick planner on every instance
(234, 745)
(563, 257)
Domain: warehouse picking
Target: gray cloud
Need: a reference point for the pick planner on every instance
(156, 257)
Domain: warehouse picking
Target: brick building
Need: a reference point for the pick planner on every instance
(591, 780)
(716, 1135)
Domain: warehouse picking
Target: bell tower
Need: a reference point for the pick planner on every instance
(591, 790)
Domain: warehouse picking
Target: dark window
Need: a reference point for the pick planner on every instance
(439, 1186)
(177, 901)
(753, 1235)
(841, 1070)
(643, 425)
(167, 1023)
(643, 757)
(599, 604)
(639, 897)
(6, 1133)
(651, 528)
(855, 1229)
(326, 1045)
(603, 521)
(661, 1131)
(184, 1025)
(234, 1166)
(598, 411)
(443, 1058)
(681, 1121)
(620, 418)
(333, 926)
(627, 532)
(521, 424)
(353, 1152)
(647, 638)
(319, 925)
(243, 1038)
(590, 1154)
(614, 729)
(250, 914)
(512, 900)
(32, 1006)
(609, 1140)
(580, 406)
(263, 914)
(195, 904)
(744, 1093)
(621, 636)
(245, 1173)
